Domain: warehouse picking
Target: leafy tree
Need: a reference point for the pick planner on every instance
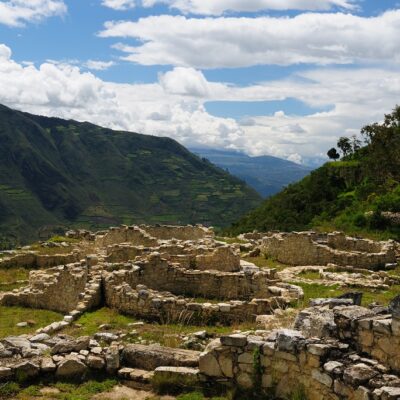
(355, 144)
(333, 154)
(383, 151)
(344, 145)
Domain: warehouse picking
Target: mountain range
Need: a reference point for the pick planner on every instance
(266, 174)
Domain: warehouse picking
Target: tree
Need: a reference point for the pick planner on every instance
(344, 145)
(355, 143)
(333, 154)
(384, 147)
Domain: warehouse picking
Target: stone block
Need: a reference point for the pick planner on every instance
(358, 374)
(236, 340)
(287, 339)
(209, 365)
(322, 378)
(246, 358)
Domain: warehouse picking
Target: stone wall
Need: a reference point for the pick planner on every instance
(221, 259)
(302, 248)
(32, 259)
(286, 362)
(125, 234)
(58, 289)
(340, 241)
(166, 308)
(160, 275)
(188, 232)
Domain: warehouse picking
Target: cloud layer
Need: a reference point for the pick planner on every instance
(17, 13)
(174, 106)
(239, 42)
(218, 7)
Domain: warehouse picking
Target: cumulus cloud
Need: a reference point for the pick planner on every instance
(314, 38)
(356, 96)
(185, 81)
(19, 12)
(98, 65)
(119, 4)
(213, 7)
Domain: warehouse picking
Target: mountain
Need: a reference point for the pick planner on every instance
(266, 174)
(359, 195)
(56, 173)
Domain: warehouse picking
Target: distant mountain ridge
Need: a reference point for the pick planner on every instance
(56, 174)
(266, 174)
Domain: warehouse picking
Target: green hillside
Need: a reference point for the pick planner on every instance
(56, 174)
(349, 195)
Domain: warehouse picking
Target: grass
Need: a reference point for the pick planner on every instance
(10, 276)
(316, 290)
(310, 275)
(91, 321)
(62, 391)
(167, 334)
(10, 316)
(266, 262)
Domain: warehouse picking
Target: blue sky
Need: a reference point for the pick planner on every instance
(285, 78)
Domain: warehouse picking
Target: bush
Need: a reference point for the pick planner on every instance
(9, 389)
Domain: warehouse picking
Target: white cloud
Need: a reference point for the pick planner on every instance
(218, 7)
(185, 82)
(239, 42)
(356, 96)
(119, 4)
(19, 12)
(98, 65)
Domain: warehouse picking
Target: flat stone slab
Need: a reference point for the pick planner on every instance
(151, 357)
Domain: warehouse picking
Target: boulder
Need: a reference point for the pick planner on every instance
(106, 337)
(39, 338)
(70, 345)
(26, 370)
(358, 374)
(95, 362)
(71, 368)
(47, 365)
(17, 342)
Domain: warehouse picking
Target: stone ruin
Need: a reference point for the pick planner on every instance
(156, 273)
(335, 349)
(310, 248)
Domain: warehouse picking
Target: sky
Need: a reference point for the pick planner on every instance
(267, 77)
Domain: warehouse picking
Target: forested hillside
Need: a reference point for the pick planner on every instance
(56, 174)
(360, 193)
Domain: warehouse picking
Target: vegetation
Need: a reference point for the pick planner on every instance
(56, 391)
(13, 278)
(11, 316)
(167, 334)
(56, 174)
(348, 195)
